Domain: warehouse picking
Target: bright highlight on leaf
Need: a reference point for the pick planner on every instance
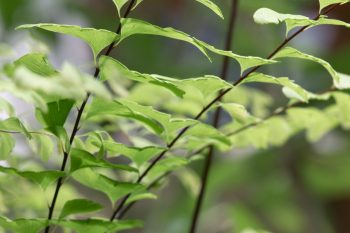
(268, 16)
(97, 39)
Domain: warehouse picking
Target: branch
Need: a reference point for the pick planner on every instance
(208, 106)
(77, 122)
(216, 121)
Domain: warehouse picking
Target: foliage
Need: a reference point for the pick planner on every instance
(165, 118)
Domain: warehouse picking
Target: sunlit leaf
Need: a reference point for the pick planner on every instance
(97, 39)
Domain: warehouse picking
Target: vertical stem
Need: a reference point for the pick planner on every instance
(216, 120)
(76, 125)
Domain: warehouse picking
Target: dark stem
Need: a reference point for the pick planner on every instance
(208, 106)
(76, 125)
(216, 121)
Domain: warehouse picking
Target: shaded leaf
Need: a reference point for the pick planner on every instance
(113, 189)
(78, 206)
(43, 178)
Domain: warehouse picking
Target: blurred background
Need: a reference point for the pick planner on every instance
(298, 188)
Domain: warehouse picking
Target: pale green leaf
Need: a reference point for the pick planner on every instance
(13, 124)
(97, 39)
(23, 225)
(43, 178)
(83, 159)
(294, 90)
(268, 16)
(133, 27)
(37, 63)
(113, 189)
(7, 143)
(293, 53)
(343, 108)
(212, 6)
(112, 69)
(239, 113)
(78, 206)
(42, 145)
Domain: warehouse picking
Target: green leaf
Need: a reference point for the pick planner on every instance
(133, 27)
(22, 225)
(112, 69)
(140, 196)
(100, 107)
(325, 3)
(113, 189)
(83, 159)
(6, 107)
(136, 154)
(119, 4)
(7, 143)
(97, 39)
(343, 108)
(38, 63)
(57, 113)
(14, 124)
(268, 16)
(239, 113)
(78, 206)
(42, 145)
(69, 84)
(98, 225)
(289, 52)
(293, 90)
(317, 123)
(212, 6)
(43, 178)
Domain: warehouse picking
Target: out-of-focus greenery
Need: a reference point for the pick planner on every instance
(298, 188)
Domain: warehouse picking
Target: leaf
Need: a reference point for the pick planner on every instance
(98, 225)
(317, 123)
(57, 113)
(7, 143)
(78, 206)
(113, 189)
(325, 3)
(43, 178)
(14, 124)
(42, 145)
(97, 39)
(22, 225)
(82, 159)
(100, 107)
(136, 154)
(38, 63)
(289, 52)
(140, 196)
(6, 107)
(119, 4)
(69, 84)
(343, 108)
(268, 16)
(294, 90)
(133, 27)
(154, 120)
(212, 6)
(112, 69)
(239, 113)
